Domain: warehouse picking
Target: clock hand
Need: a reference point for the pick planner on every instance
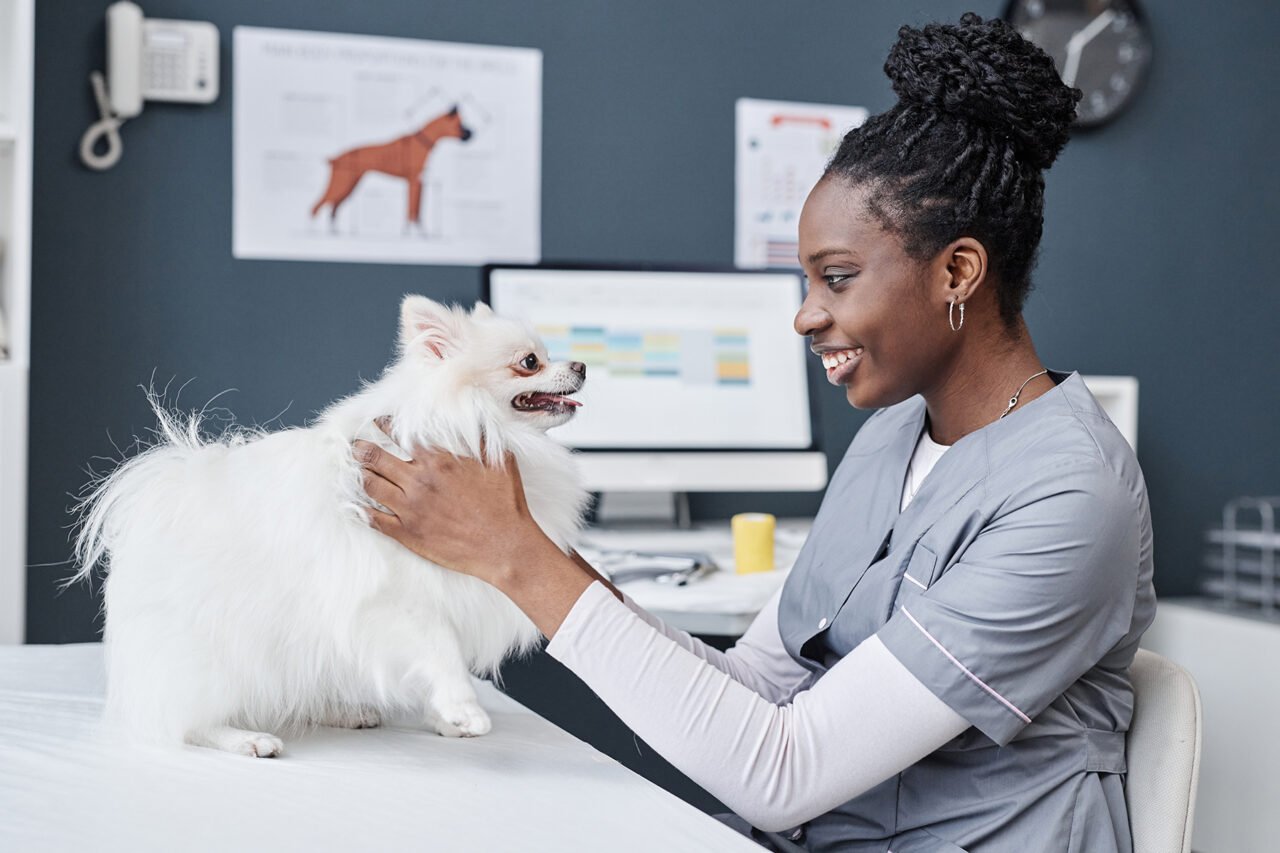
(1077, 42)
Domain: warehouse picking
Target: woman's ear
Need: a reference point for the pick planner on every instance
(966, 265)
(428, 328)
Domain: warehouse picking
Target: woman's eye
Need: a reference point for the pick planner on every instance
(834, 279)
(530, 362)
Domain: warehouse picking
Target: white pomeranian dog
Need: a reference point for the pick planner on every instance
(248, 597)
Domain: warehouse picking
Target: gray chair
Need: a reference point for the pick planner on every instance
(1163, 754)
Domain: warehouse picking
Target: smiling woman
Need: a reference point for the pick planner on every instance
(946, 667)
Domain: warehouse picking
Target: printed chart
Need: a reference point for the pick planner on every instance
(782, 150)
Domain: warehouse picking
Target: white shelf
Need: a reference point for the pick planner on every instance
(17, 47)
(1244, 538)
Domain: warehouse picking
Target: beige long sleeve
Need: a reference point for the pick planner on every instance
(716, 716)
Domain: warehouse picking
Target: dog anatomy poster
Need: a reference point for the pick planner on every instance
(782, 148)
(364, 148)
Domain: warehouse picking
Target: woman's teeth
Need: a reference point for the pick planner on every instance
(835, 359)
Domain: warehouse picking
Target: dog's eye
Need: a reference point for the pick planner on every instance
(529, 362)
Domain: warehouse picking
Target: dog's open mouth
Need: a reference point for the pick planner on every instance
(539, 401)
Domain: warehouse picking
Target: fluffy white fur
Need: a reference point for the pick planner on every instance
(247, 596)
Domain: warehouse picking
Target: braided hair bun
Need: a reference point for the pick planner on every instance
(988, 74)
(981, 113)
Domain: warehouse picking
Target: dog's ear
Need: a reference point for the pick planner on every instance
(454, 111)
(428, 327)
(480, 311)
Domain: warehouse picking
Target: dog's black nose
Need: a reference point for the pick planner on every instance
(578, 368)
(466, 134)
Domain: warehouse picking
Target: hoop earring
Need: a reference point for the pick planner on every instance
(950, 321)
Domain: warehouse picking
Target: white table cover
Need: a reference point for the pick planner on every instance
(527, 786)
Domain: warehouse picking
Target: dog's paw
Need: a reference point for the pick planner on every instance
(465, 719)
(259, 745)
(355, 718)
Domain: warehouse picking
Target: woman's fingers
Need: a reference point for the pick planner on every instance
(382, 490)
(375, 459)
(384, 522)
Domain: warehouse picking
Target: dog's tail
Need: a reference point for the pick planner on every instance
(105, 502)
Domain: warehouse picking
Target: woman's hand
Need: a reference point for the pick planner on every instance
(467, 516)
(454, 511)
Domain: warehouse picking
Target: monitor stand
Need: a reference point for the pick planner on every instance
(644, 509)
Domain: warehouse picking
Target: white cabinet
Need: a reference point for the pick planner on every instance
(17, 46)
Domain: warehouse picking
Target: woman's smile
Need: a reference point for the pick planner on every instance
(840, 363)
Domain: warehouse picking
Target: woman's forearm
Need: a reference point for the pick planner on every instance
(545, 583)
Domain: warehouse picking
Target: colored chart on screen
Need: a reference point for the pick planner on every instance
(692, 356)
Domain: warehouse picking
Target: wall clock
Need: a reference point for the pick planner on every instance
(1101, 47)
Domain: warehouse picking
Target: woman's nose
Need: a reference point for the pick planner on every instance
(811, 318)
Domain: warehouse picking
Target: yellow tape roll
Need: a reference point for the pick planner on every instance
(753, 542)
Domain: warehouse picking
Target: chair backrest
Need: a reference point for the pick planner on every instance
(1163, 754)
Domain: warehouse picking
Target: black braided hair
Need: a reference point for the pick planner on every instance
(981, 113)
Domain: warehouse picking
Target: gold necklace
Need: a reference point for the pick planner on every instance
(1013, 401)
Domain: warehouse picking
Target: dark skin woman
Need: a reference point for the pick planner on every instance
(970, 629)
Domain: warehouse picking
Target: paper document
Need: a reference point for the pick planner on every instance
(782, 149)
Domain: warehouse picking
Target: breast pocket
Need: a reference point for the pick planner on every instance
(919, 573)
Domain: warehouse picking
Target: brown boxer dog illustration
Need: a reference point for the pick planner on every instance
(405, 157)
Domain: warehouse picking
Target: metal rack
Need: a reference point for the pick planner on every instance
(1241, 565)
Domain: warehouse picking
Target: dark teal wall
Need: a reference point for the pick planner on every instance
(1155, 262)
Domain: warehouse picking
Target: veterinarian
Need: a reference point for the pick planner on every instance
(945, 668)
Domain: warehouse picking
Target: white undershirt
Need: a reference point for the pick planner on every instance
(751, 725)
(927, 454)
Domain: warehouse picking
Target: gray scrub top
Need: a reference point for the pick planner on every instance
(1015, 586)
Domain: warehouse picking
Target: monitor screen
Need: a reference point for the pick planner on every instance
(675, 359)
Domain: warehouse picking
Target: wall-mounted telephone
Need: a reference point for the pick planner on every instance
(148, 59)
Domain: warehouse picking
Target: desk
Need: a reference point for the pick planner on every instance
(723, 602)
(526, 786)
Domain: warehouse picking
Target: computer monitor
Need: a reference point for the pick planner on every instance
(695, 379)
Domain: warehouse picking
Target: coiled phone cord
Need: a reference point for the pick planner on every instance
(106, 127)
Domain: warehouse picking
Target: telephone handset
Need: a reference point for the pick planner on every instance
(148, 59)
(124, 58)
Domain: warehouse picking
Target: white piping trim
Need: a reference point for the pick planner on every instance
(976, 680)
(914, 581)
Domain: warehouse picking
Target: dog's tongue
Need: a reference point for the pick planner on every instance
(553, 398)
